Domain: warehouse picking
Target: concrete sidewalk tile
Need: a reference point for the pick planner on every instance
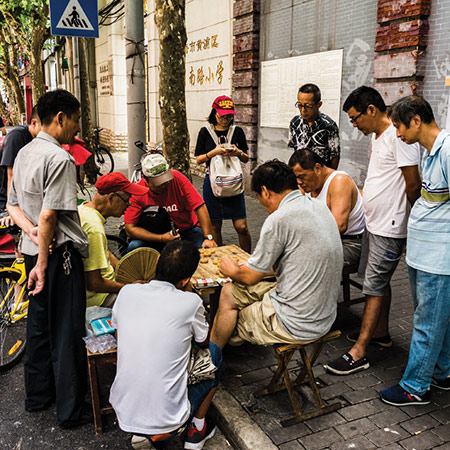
(441, 398)
(443, 415)
(360, 410)
(256, 375)
(292, 445)
(392, 447)
(323, 422)
(335, 390)
(443, 431)
(362, 382)
(231, 382)
(361, 395)
(387, 435)
(356, 428)
(276, 432)
(356, 443)
(390, 416)
(422, 441)
(419, 410)
(421, 423)
(322, 439)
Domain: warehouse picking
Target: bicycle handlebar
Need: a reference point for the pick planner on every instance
(13, 229)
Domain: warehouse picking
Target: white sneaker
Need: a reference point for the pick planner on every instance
(141, 443)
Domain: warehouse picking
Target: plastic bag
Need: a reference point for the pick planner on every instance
(100, 344)
(93, 313)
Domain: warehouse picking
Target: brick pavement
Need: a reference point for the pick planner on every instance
(364, 422)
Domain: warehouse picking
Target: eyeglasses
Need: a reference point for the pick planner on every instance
(127, 200)
(225, 117)
(355, 119)
(305, 105)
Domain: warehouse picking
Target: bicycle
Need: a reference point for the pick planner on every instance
(102, 156)
(13, 309)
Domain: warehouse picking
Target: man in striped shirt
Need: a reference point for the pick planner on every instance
(428, 257)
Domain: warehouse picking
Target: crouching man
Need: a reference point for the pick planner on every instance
(112, 198)
(300, 241)
(156, 323)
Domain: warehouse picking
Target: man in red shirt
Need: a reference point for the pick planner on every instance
(171, 190)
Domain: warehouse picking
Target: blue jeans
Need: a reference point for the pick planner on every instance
(194, 234)
(429, 353)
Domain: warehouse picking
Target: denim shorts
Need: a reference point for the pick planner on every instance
(383, 258)
(223, 208)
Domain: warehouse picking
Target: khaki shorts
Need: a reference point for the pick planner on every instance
(257, 320)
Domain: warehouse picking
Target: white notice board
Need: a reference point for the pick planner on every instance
(281, 78)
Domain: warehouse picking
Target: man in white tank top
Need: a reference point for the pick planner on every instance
(339, 192)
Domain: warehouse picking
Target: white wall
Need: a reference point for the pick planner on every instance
(205, 19)
(110, 52)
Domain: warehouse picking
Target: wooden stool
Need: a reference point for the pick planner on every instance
(284, 354)
(95, 360)
(346, 283)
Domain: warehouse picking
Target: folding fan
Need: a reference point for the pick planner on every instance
(140, 264)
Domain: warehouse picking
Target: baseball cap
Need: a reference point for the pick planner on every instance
(116, 181)
(224, 105)
(155, 167)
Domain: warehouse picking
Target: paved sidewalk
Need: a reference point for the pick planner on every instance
(362, 423)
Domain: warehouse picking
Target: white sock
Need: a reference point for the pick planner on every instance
(199, 423)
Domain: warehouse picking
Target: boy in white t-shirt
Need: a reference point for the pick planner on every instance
(156, 324)
(392, 185)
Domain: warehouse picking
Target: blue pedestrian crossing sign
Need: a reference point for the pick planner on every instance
(74, 18)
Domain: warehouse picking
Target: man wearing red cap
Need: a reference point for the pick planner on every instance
(111, 200)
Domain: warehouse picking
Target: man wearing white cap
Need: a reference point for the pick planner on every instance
(172, 191)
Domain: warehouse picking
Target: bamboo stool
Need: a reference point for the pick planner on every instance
(284, 354)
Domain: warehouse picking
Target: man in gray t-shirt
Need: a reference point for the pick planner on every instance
(301, 246)
(43, 203)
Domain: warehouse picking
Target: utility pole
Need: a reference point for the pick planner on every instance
(134, 52)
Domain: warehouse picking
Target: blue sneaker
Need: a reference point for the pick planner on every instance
(397, 396)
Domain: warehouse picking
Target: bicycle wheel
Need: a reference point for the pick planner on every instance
(13, 331)
(104, 161)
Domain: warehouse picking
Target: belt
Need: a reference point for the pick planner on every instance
(352, 236)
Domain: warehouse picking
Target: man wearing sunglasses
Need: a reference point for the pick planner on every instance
(312, 129)
(111, 200)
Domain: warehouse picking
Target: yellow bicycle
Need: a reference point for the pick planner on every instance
(13, 313)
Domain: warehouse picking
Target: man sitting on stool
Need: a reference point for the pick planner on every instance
(339, 192)
(300, 241)
(111, 200)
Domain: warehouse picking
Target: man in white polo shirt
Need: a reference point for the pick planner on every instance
(392, 186)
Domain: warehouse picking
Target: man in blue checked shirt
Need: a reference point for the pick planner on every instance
(428, 258)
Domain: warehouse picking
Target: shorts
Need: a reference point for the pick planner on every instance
(223, 208)
(383, 257)
(352, 251)
(257, 321)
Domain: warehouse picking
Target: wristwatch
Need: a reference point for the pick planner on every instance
(209, 237)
